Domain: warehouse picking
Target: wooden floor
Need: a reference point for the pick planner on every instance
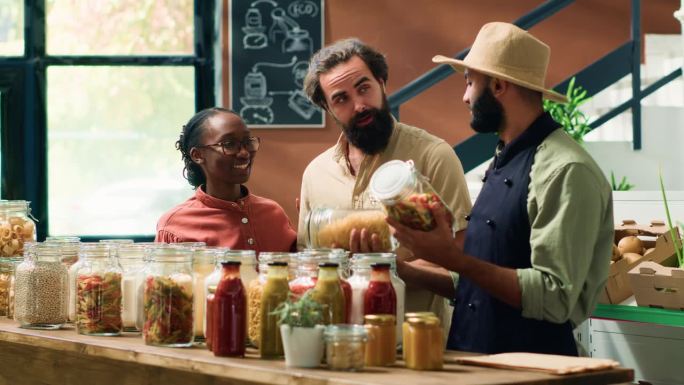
(64, 357)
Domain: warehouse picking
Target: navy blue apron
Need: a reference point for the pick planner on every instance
(499, 232)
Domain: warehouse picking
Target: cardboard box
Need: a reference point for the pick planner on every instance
(658, 286)
(656, 236)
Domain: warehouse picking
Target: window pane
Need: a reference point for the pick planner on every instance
(120, 27)
(11, 28)
(112, 165)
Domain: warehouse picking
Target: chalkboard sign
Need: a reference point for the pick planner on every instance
(271, 42)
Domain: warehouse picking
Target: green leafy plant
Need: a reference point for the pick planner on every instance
(299, 312)
(674, 230)
(568, 115)
(624, 185)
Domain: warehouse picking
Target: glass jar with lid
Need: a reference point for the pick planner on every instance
(255, 289)
(98, 291)
(7, 271)
(405, 193)
(330, 293)
(16, 228)
(360, 278)
(69, 246)
(41, 289)
(203, 265)
(423, 343)
(168, 297)
(131, 258)
(331, 227)
(381, 348)
(345, 347)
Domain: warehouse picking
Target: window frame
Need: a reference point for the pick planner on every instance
(24, 133)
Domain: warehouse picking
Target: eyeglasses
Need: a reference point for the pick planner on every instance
(232, 147)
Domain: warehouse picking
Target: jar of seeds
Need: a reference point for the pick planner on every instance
(41, 288)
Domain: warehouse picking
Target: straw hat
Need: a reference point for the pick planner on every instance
(504, 51)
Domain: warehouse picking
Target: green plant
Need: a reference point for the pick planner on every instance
(301, 312)
(624, 185)
(568, 115)
(673, 235)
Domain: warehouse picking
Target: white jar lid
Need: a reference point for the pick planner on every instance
(390, 179)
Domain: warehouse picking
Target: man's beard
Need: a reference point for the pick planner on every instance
(372, 138)
(488, 114)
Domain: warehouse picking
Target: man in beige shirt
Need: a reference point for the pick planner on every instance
(348, 80)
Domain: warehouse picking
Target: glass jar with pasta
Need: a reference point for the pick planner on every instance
(405, 193)
(16, 228)
(98, 291)
(331, 227)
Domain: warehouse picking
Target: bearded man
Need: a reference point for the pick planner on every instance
(348, 79)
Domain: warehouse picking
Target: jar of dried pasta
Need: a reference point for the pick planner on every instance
(16, 228)
(331, 227)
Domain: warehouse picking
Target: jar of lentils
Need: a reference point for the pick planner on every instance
(41, 288)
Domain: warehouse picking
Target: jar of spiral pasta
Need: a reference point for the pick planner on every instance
(16, 228)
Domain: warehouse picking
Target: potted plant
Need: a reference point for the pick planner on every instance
(301, 331)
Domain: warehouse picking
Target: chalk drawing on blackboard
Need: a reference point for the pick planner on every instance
(299, 71)
(298, 102)
(255, 38)
(295, 39)
(256, 105)
(303, 8)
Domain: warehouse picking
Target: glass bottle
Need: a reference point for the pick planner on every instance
(331, 227)
(131, 258)
(229, 313)
(98, 291)
(405, 194)
(248, 273)
(203, 265)
(380, 297)
(345, 347)
(168, 297)
(255, 291)
(360, 278)
(16, 228)
(423, 343)
(70, 247)
(339, 256)
(41, 288)
(329, 293)
(381, 348)
(275, 292)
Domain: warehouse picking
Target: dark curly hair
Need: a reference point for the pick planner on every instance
(340, 52)
(189, 138)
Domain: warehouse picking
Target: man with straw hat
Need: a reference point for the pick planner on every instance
(535, 255)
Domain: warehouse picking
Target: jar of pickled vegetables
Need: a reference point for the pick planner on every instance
(405, 194)
(331, 227)
(98, 292)
(168, 297)
(16, 228)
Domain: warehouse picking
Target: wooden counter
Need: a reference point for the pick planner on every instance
(65, 357)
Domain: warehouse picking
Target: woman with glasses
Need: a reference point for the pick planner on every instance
(218, 151)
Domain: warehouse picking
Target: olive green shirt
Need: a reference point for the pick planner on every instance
(570, 209)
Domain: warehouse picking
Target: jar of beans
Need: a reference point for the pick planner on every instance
(41, 288)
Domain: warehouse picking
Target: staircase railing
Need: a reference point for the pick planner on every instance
(596, 77)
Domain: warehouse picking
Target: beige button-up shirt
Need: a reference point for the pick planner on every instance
(328, 182)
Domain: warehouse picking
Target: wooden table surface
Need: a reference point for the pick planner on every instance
(65, 357)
